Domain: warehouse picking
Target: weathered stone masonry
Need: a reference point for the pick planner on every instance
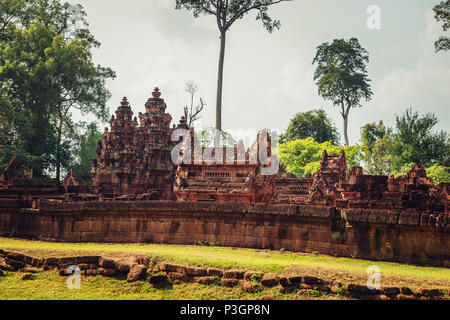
(370, 234)
(337, 211)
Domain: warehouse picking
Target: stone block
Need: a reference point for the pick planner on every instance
(234, 274)
(227, 282)
(206, 280)
(247, 286)
(157, 279)
(269, 280)
(137, 272)
(194, 271)
(107, 263)
(214, 272)
(107, 272)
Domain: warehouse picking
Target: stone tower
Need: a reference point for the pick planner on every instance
(135, 159)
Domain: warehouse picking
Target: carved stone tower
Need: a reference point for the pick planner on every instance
(136, 160)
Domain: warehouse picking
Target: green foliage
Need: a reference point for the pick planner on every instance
(371, 132)
(341, 290)
(438, 174)
(341, 75)
(302, 157)
(314, 124)
(403, 170)
(415, 141)
(385, 151)
(256, 278)
(442, 14)
(376, 148)
(10, 12)
(86, 150)
(228, 12)
(46, 69)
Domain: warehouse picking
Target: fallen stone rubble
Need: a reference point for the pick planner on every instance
(164, 274)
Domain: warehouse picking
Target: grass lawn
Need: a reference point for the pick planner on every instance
(50, 286)
(344, 270)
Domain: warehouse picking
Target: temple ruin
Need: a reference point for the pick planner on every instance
(139, 194)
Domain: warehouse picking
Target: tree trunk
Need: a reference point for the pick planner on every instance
(345, 116)
(345, 130)
(58, 151)
(220, 86)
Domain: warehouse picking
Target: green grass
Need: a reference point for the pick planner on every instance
(343, 270)
(226, 258)
(50, 286)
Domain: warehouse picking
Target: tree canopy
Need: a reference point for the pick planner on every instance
(46, 69)
(302, 156)
(341, 75)
(417, 141)
(376, 144)
(442, 14)
(413, 140)
(228, 12)
(315, 124)
(86, 150)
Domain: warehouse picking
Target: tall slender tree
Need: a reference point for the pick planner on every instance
(227, 12)
(341, 75)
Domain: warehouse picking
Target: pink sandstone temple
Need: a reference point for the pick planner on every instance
(139, 195)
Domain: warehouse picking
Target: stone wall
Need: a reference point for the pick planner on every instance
(360, 233)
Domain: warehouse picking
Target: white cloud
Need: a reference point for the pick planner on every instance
(405, 87)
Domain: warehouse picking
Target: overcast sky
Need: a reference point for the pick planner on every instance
(269, 77)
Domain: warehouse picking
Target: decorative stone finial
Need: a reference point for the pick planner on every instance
(156, 93)
(124, 102)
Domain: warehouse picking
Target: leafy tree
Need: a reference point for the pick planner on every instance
(302, 157)
(79, 84)
(227, 12)
(442, 13)
(376, 143)
(341, 75)
(13, 126)
(46, 69)
(403, 170)
(416, 141)
(371, 132)
(378, 160)
(86, 150)
(314, 124)
(438, 174)
(10, 12)
(192, 112)
(26, 82)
